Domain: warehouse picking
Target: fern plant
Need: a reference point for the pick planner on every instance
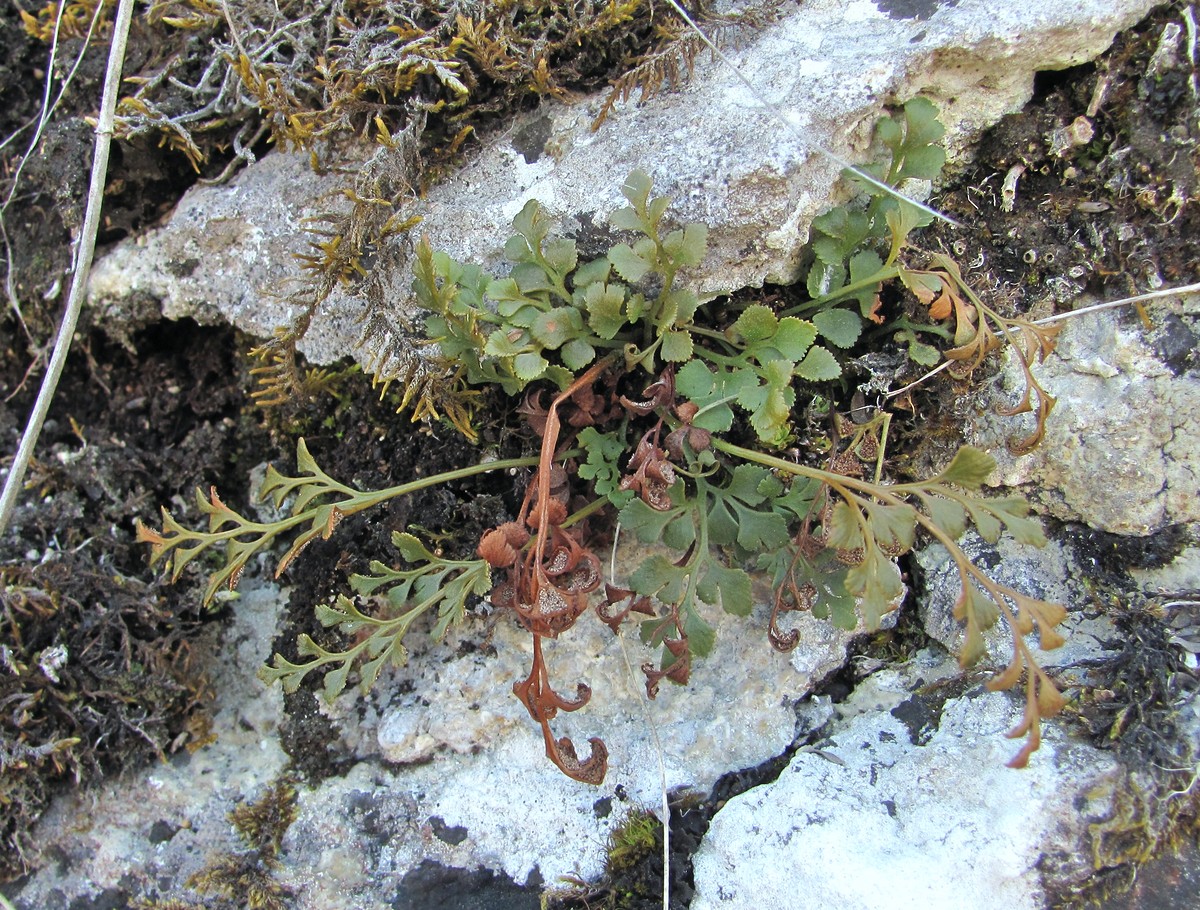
(655, 412)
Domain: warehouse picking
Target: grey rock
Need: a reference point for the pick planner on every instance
(449, 765)
(1122, 446)
(1181, 576)
(112, 836)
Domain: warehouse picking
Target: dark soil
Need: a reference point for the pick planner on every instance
(366, 444)
(1101, 202)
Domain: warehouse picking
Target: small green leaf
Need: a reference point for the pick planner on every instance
(969, 468)
(695, 244)
(980, 613)
(839, 327)
(890, 133)
(770, 405)
(680, 532)
(561, 255)
(529, 366)
(876, 582)
(918, 351)
(892, 526)
(531, 224)
(637, 188)
(986, 523)
(625, 219)
(676, 347)
(756, 323)
(791, 339)
(819, 366)
(947, 515)
(695, 381)
(844, 232)
(824, 278)
(738, 513)
(594, 272)
(710, 391)
(844, 529)
(532, 280)
(644, 522)
(833, 601)
(682, 304)
(866, 267)
(921, 122)
(577, 354)
(604, 451)
(728, 587)
(410, 547)
(329, 616)
(701, 636)
(627, 263)
(604, 305)
(556, 326)
(747, 482)
(760, 530)
(510, 343)
(516, 249)
(335, 681)
(1012, 510)
(924, 163)
(560, 376)
(658, 577)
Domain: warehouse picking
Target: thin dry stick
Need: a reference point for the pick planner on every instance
(40, 120)
(1182, 291)
(83, 264)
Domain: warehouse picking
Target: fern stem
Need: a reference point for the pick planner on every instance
(365, 500)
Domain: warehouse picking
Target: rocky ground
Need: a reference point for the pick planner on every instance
(865, 770)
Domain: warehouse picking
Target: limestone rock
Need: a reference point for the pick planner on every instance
(1122, 446)
(882, 813)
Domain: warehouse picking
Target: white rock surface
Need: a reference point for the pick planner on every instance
(444, 745)
(870, 821)
(478, 748)
(829, 66)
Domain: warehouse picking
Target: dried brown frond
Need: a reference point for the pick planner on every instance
(249, 875)
(667, 66)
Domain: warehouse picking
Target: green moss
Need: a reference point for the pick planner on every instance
(638, 835)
